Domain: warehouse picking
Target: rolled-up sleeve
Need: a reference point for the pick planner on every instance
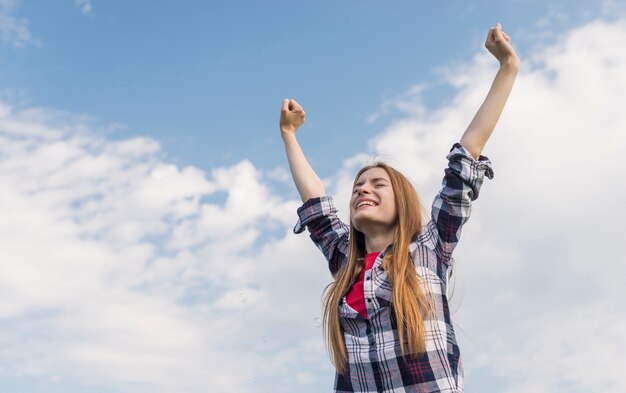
(451, 207)
(328, 232)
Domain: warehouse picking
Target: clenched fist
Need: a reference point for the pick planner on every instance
(291, 116)
(499, 44)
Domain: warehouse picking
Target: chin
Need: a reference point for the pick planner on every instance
(357, 224)
(361, 222)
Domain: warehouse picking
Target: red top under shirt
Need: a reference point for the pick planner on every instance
(356, 297)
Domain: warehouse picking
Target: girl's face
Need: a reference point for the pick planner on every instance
(373, 201)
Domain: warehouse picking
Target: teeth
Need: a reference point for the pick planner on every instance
(370, 203)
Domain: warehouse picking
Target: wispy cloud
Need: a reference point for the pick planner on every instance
(84, 6)
(13, 30)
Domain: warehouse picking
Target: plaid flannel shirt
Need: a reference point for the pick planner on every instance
(375, 363)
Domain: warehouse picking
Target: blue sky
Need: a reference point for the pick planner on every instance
(146, 209)
(204, 76)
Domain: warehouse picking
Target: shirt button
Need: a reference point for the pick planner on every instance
(369, 300)
(368, 278)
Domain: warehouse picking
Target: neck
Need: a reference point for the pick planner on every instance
(377, 243)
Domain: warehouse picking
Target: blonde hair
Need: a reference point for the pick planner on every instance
(411, 302)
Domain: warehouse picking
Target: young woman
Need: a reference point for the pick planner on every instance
(386, 316)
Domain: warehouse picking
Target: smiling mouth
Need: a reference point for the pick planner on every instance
(366, 204)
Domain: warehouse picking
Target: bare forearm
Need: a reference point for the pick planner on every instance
(307, 182)
(485, 120)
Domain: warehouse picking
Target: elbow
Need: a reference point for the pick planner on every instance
(473, 149)
(475, 153)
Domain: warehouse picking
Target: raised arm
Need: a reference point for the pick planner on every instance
(318, 213)
(484, 122)
(307, 182)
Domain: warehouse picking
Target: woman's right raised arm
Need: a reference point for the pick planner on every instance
(307, 182)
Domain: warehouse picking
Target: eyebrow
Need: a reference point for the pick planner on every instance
(374, 180)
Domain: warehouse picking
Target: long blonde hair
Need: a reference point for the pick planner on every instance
(411, 302)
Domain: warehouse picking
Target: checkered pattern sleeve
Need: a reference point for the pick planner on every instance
(328, 232)
(452, 206)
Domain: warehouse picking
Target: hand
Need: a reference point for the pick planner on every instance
(291, 116)
(498, 43)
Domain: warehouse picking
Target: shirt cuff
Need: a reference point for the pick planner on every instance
(313, 209)
(477, 168)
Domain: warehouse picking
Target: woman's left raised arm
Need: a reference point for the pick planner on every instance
(484, 122)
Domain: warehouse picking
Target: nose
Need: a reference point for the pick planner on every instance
(363, 190)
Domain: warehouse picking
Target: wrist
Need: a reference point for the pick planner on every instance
(287, 133)
(510, 63)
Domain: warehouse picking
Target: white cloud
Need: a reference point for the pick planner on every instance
(579, 346)
(113, 269)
